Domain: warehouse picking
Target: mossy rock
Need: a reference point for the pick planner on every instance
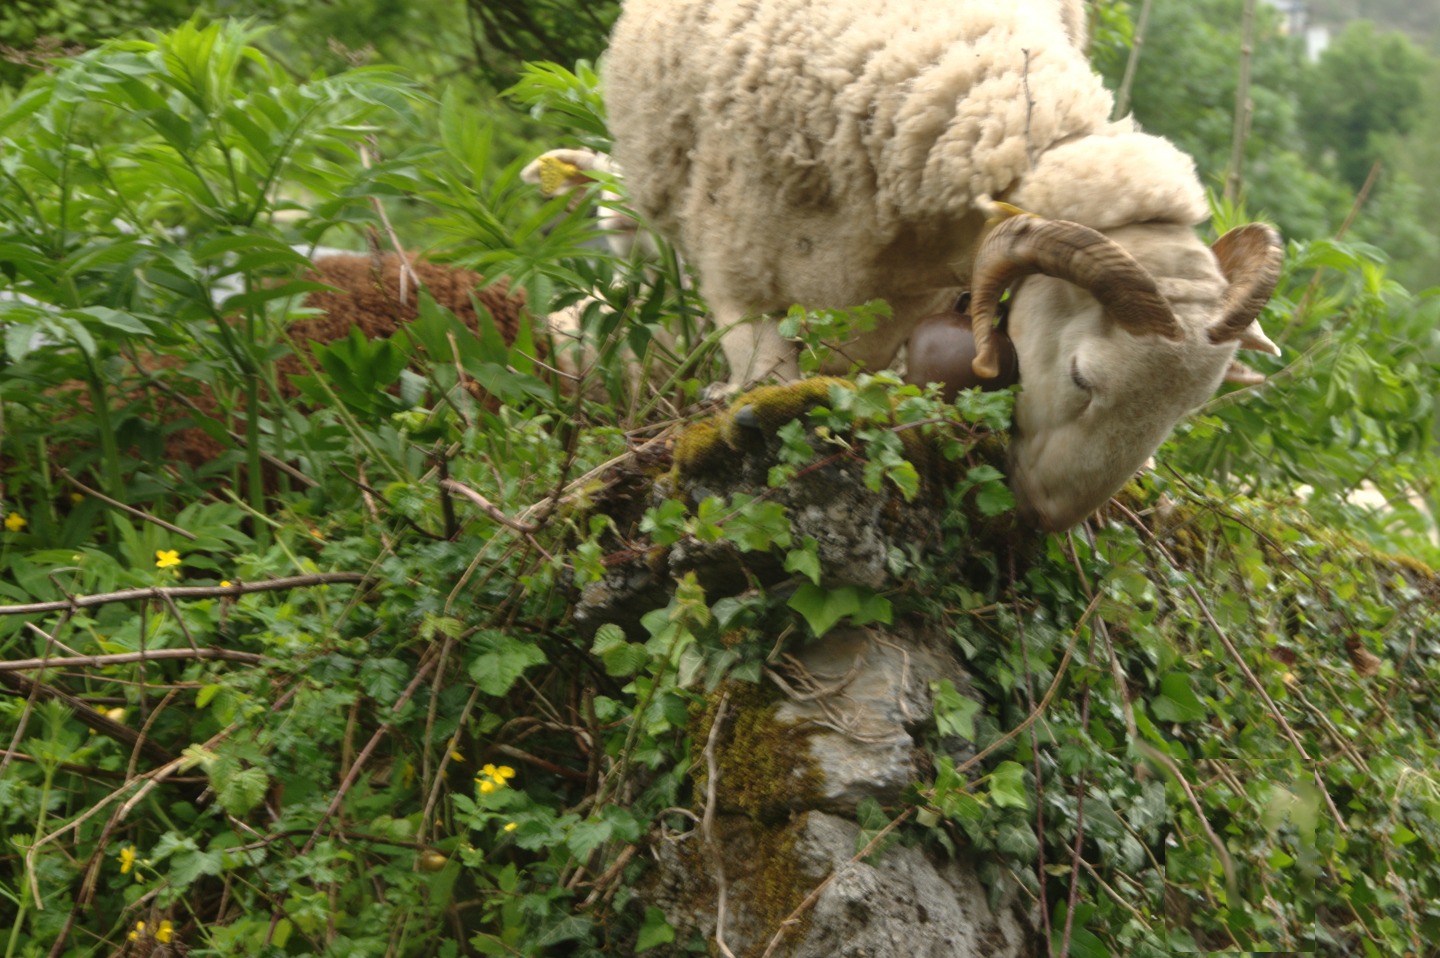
(764, 764)
(710, 445)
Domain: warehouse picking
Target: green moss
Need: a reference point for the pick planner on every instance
(774, 406)
(779, 884)
(765, 765)
(699, 448)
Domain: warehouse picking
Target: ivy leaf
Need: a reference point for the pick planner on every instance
(568, 928)
(822, 608)
(1007, 786)
(954, 713)
(502, 660)
(654, 932)
(805, 560)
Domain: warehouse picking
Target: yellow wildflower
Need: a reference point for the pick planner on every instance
(500, 775)
(456, 756)
(137, 932)
(486, 786)
(165, 558)
(511, 826)
(165, 932)
(15, 522)
(117, 714)
(127, 859)
(225, 583)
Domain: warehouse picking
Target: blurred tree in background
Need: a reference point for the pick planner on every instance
(1365, 85)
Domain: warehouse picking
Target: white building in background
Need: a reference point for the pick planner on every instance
(1296, 23)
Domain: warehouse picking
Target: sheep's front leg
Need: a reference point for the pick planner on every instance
(754, 349)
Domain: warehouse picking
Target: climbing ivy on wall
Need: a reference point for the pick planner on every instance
(355, 712)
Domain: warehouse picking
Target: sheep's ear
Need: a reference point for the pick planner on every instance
(1249, 256)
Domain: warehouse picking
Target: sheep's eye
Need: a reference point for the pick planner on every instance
(1078, 379)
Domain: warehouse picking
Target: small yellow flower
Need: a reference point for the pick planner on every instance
(77, 497)
(165, 932)
(15, 522)
(127, 862)
(456, 756)
(511, 826)
(499, 775)
(139, 930)
(486, 786)
(117, 714)
(225, 583)
(165, 558)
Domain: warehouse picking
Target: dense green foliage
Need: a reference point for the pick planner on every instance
(405, 746)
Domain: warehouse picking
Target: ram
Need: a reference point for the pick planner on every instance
(834, 153)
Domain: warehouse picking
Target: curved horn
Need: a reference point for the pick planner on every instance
(1077, 254)
(1249, 256)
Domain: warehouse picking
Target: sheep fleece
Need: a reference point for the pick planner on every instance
(832, 152)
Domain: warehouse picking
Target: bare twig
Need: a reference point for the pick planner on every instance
(123, 658)
(520, 755)
(366, 752)
(1299, 312)
(488, 507)
(1235, 180)
(186, 592)
(1244, 668)
(1044, 702)
(406, 271)
(707, 826)
(1035, 756)
(1075, 858)
(818, 890)
(115, 503)
(1160, 758)
(1122, 98)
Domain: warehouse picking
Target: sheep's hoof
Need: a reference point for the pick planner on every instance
(719, 392)
(747, 417)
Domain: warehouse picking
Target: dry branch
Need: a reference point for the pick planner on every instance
(187, 592)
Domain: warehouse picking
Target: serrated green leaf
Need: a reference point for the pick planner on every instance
(1177, 701)
(501, 661)
(589, 835)
(993, 498)
(242, 790)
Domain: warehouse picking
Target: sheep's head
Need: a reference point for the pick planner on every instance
(1118, 336)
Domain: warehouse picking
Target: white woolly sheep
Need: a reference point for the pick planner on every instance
(833, 153)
